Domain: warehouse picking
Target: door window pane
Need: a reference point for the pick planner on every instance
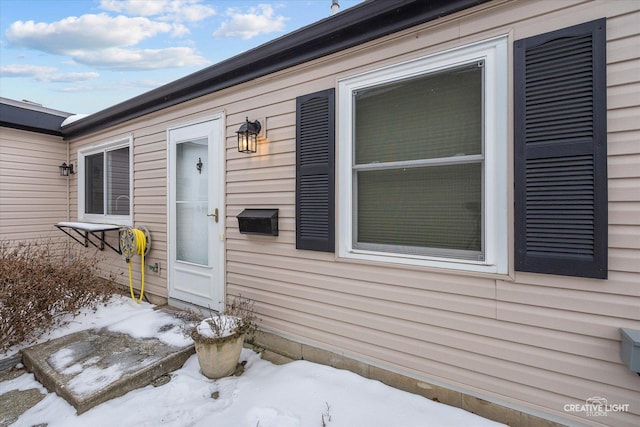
(192, 244)
(192, 189)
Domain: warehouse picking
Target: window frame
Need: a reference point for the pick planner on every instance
(494, 53)
(104, 148)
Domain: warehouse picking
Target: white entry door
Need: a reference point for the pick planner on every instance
(196, 217)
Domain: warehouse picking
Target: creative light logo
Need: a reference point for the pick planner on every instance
(596, 407)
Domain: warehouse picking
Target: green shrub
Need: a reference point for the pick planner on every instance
(40, 283)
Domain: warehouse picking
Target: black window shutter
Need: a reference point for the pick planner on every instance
(560, 152)
(315, 158)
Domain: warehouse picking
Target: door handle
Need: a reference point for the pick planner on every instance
(214, 214)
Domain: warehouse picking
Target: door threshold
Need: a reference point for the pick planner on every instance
(188, 306)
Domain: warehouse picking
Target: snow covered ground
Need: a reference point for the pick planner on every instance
(298, 394)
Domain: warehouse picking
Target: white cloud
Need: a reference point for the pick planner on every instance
(190, 12)
(179, 30)
(166, 10)
(135, 7)
(72, 77)
(86, 32)
(113, 86)
(258, 20)
(100, 40)
(139, 59)
(45, 74)
(75, 89)
(24, 70)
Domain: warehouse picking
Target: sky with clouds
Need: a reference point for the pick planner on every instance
(82, 56)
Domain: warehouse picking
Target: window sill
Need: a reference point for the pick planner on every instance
(436, 265)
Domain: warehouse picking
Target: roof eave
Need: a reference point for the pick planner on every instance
(40, 130)
(32, 118)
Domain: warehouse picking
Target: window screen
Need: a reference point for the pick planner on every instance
(418, 169)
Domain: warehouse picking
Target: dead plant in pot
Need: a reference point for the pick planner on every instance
(219, 338)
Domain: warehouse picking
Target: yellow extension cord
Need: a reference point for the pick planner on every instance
(140, 248)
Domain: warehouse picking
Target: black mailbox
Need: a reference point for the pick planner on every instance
(258, 221)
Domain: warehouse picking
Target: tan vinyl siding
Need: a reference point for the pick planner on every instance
(529, 341)
(33, 195)
(550, 342)
(149, 206)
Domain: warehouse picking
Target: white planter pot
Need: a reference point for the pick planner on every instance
(219, 359)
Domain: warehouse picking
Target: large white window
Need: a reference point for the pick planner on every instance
(104, 182)
(422, 161)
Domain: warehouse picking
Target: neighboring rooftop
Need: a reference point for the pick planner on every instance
(32, 117)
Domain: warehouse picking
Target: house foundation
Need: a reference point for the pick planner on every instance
(281, 350)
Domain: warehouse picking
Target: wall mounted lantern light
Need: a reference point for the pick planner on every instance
(66, 169)
(248, 136)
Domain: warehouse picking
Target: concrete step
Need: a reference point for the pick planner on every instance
(93, 366)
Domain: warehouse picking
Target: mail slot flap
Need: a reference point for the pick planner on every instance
(258, 221)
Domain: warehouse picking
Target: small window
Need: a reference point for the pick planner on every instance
(423, 170)
(105, 183)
